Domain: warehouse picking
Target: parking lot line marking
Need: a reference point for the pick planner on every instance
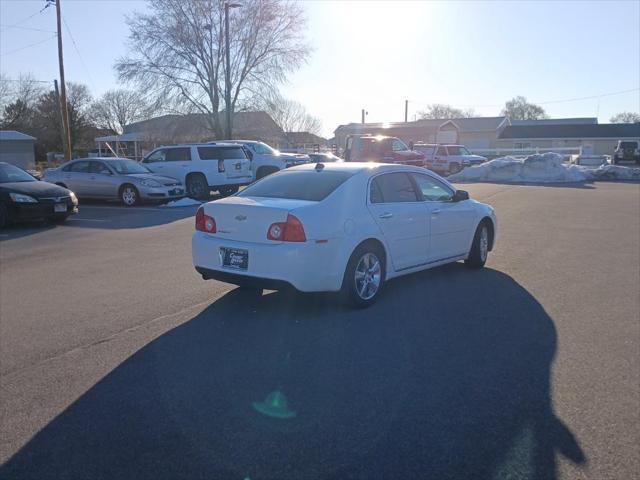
(121, 209)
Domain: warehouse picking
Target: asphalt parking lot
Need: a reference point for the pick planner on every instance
(118, 361)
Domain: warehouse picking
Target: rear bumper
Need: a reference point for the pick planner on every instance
(307, 266)
(243, 280)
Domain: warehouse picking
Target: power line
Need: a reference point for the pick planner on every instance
(27, 46)
(20, 22)
(6, 27)
(17, 80)
(75, 46)
(547, 102)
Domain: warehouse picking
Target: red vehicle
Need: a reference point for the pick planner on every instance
(378, 148)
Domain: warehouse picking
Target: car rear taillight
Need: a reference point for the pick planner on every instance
(220, 166)
(289, 231)
(205, 223)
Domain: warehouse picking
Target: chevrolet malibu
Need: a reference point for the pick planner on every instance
(340, 227)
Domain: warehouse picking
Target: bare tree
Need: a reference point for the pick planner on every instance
(439, 110)
(519, 109)
(626, 117)
(290, 115)
(17, 98)
(177, 52)
(118, 108)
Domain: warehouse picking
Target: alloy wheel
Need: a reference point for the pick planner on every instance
(368, 275)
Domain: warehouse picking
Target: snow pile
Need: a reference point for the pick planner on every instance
(541, 168)
(183, 202)
(614, 172)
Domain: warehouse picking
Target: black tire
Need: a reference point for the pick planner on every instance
(129, 195)
(197, 186)
(355, 291)
(265, 171)
(480, 246)
(228, 190)
(4, 216)
(454, 168)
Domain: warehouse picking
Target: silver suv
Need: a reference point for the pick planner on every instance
(203, 167)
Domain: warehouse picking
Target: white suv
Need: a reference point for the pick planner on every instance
(203, 167)
(266, 160)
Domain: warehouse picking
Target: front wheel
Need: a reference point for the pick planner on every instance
(364, 276)
(479, 248)
(197, 187)
(228, 190)
(129, 195)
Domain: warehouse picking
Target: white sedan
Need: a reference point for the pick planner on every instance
(345, 227)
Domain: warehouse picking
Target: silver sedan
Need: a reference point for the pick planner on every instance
(114, 178)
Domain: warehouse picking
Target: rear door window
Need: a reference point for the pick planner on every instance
(221, 153)
(297, 185)
(98, 167)
(393, 188)
(80, 167)
(178, 154)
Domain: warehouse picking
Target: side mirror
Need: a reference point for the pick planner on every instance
(460, 195)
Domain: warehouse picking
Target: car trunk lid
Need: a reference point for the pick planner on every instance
(247, 219)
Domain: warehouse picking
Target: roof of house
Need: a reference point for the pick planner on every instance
(558, 121)
(476, 124)
(194, 127)
(13, 135)
(605, 130)
(301, 138)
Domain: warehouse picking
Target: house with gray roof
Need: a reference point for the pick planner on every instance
(17, 148)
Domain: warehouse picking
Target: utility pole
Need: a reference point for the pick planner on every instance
(227, 76)
(62, 134)
(406, 111)
(63, 90)
(364, 113)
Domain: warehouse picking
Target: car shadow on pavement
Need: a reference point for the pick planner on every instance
(446, 377)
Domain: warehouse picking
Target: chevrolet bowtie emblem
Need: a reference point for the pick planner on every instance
(241, 218)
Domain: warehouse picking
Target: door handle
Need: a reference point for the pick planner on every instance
(385, 215)
(436, 211)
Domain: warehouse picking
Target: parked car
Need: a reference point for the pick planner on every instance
(203, 167)
(24, 197)
(379, 148)
(340, 226)
(447, 159)
(323, 157)
(114, 178)
(626, 151)
(266, 160)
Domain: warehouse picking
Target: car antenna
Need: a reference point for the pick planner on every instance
(319, 166)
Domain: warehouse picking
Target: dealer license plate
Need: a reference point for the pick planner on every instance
(59, 207)
(234, 258)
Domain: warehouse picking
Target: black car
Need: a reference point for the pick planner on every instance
(626, 151)
(23, 198)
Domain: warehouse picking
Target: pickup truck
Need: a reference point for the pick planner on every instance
(266, 160)
(626, 151)
(380, 148)
(447, 159)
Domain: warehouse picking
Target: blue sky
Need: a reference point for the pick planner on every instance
(374, 55)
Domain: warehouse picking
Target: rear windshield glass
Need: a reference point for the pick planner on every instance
(221, 153)
(297, 185)
(627, 145)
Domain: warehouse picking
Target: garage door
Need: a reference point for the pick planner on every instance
(447, 136)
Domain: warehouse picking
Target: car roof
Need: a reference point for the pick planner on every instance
(356, 167)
